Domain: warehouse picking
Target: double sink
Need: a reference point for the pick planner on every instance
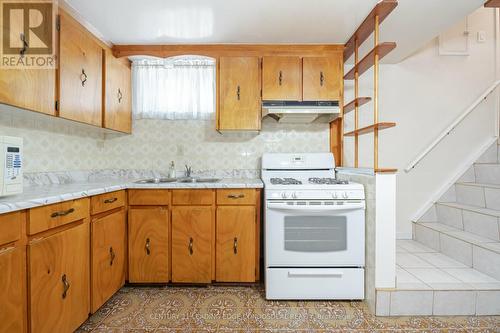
(177, 180)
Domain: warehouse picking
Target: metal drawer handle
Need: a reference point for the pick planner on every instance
(83, 77)
(236, 196)
(148, 246)
(235, 245)
(120, 95)
(238, 92)
(190, 246)
(280, 78)
(25, 45)
(112, 255)
(111, 200)
(62, 213)
(66, 286)
(321, 78)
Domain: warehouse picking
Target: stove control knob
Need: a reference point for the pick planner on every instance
(335, 195)
(345, 195)
(284, 195)
(294, 195)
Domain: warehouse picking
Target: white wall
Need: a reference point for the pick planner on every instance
(424, 94)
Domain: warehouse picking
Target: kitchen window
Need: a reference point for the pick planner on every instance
(173, 88)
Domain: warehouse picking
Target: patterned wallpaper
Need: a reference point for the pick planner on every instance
(52, 144)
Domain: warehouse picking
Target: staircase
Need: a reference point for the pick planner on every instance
(452, 266)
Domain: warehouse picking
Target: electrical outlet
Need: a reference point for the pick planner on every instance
(481, 36)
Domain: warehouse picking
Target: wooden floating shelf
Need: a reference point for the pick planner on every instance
(356, 102)
(370, 129)
(492, 4)
(385, 170)
(382, 9)
(368, 61)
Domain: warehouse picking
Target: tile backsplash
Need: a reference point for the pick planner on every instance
(52, 144)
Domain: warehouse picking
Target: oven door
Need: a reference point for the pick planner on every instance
(315, 233)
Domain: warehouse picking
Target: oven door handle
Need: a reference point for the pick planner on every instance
(316, 273)
(318, 208)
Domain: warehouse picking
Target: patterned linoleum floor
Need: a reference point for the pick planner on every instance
(244, 309)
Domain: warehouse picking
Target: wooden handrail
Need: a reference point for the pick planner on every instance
(452, 126)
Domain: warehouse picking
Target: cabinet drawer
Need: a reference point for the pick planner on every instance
(51, 216)
(107, 201)
(10, 227)
(192, 197)
(149, 197)
(236, 197)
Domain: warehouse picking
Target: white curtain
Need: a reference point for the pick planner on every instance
(173, 88)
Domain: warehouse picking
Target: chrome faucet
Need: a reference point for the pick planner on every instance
(188, 171)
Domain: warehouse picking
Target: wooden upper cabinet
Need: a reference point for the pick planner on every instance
(239, 93)
(322, 78)
(12, 292)
(108, 250)
(31, 89)
(235, 245)
(80, 73)
(117, 91)
(59, 280)
(281, 78)
(148, 245)
(192, 244)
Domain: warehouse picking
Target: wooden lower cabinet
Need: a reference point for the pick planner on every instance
(192, 244)
(235, 244)
(12, 286)
(59, 288)
(148, 244)
(108, 240)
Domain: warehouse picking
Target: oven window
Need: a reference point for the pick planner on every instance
(315, 233)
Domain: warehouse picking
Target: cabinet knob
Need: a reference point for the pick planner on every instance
(280, 78)
(190, 246)
(235, 245)
(148, 246)
(112, 255)
(83, 77)
(321, 79)
(120, 95)
(238, 91)
(65, 282)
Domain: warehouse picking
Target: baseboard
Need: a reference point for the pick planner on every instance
(453, 179)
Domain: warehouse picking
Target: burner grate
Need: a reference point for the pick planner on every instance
(285, 181)
(327, 181)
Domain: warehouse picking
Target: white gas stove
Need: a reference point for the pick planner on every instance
(314, 229)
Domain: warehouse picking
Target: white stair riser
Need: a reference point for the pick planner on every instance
(450, 215)
(427, 236)
(470, 195)
(487, 173)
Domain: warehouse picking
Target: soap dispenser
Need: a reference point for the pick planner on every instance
(171, 171)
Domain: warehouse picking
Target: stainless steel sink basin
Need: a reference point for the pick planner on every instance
(156, 181)
(199, 180)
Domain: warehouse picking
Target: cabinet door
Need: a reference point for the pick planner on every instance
(118, 107)
(322, 78)
(108, 257)
(192, 244)
(12, 291)
(235, 244)
(148, 245)
(239, 102)
(31, 89)
(59, 280)
(80, 74)
(282, 78)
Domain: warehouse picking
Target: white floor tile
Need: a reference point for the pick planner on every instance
(408, 260)
(413, 246)
(451, 286)
(440, 260)
(469, 275)
(432, 275)
(486, 286)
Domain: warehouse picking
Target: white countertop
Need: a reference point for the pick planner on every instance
(48, 194)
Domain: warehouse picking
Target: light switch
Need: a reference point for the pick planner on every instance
(481, 36)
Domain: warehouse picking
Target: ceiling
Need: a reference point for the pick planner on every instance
(413, 23)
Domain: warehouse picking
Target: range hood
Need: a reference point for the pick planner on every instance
(293, 112)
